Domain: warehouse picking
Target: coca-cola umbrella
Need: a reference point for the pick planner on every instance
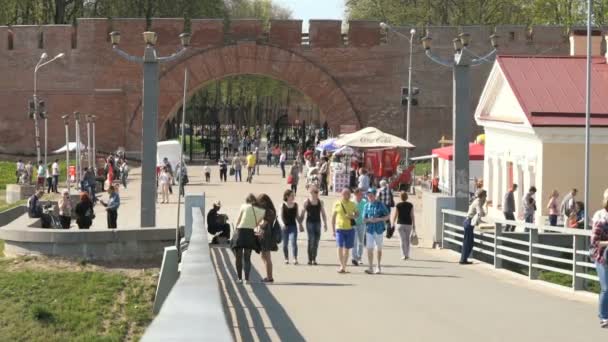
(371, 137)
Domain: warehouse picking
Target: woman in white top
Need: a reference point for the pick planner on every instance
(65, 210)
(164, 180)
(474, 215)
(245, 239)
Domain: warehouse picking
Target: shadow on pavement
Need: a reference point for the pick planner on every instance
(412, 275)
(279, 318)
(309, 284)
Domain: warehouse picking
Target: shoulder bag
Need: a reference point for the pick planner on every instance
(353, 223)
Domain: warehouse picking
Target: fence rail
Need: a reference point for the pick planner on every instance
(538, 248)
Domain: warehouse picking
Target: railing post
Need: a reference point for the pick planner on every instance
(497, 234)
(532, 272)
(442, 230)
(578, 243)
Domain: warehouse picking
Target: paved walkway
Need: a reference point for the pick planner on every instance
(428, 298)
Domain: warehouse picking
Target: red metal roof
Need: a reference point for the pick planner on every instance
(476, 152)
(551, 90)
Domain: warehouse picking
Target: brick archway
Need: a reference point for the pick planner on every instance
(212, 64)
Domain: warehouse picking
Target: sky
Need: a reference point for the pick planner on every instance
(314, 9)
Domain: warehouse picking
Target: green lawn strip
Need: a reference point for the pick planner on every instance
(8, 168)
(72, 306)
(422, 168)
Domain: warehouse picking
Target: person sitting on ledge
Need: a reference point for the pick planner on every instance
(217, 223)
(34, 207)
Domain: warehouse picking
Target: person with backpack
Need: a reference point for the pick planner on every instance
(599, 253)
(314, 212)
(269, 234)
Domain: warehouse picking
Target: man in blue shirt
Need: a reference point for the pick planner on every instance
(375, 215)
(359, 228)
(112, 207)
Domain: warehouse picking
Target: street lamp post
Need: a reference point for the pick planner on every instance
(409, 83)
(94, 147)
(39, 65)
(463, 60)
(150, 62)
(77, 135)
(88, 120)
(66, 122)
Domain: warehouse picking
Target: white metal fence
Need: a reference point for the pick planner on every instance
(546, 248)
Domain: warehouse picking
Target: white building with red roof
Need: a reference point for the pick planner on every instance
(532, 110)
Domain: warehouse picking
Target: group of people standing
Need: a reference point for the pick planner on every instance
(357, 225)
(572, 211)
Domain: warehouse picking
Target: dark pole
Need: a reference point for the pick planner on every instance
(149, 138)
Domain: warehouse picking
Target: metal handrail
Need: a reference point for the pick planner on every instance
(528, 253)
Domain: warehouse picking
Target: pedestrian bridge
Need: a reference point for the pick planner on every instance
(427, 298)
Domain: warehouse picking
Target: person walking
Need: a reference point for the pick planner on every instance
(41, 175)
(324, 170)
(112, 207)
(268, 154)
(508, 208)
(313, 212)
(251, 161)
(164, 180)
(65, 209)
(403, 220)
(29, 171)
(207, 172)
(124, 173)
(294, 173)
(568, 204)
(257, 161)
(529, 204)
(344, 213)
(375, 215)
(245, 240)
(282, 160)
(49, 179)
(359, 246)
(553, 208)
(475, 213)
(223, 164)
(288, 219)
(268, 244)
(599, 254)
(363, 181)
(84, 211)
(237, 165)
(20, 170)
(55, 173)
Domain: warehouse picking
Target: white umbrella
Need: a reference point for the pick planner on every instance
(71, 147)
(371, 137)
(345, 150)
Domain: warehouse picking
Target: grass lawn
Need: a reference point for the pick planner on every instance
(8, 168)
(54, 300)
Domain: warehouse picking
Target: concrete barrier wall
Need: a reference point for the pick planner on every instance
(106, 245)
(193, 310)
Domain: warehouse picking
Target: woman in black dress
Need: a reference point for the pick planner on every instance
(268, 242)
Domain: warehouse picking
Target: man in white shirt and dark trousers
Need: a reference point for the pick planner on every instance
(55, 174)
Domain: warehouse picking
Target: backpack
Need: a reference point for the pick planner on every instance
(277, 235)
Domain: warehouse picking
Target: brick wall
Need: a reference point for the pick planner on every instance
(354, 74)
